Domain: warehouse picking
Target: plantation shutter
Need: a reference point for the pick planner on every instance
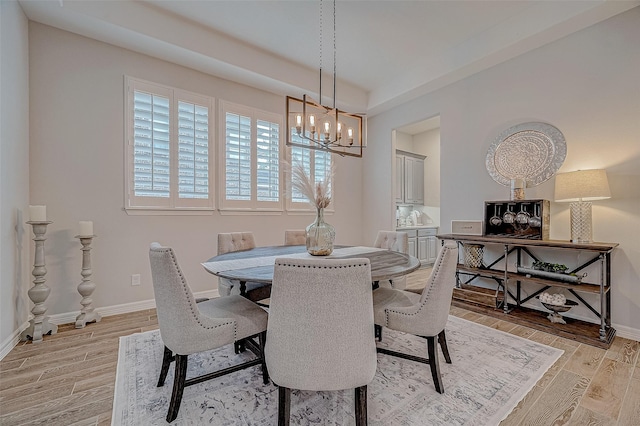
(316, 163)
(193, 151)
(251, 180)
(267, 161)
(151, 150)
(238, 157)
(300, 156)
(168, 150)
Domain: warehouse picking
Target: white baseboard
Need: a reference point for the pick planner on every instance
(11, 341)
(125, 308)
(627, 332)
(70, 317)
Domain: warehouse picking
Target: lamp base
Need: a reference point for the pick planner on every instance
(581, 222)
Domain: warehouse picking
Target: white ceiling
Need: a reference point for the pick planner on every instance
(388, 52)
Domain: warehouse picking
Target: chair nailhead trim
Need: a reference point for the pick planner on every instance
(186, 292)
(436, 269)
(320, 267)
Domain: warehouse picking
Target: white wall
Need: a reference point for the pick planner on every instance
(586, 85)
(77, 171)
(404, 141)
(14, 172)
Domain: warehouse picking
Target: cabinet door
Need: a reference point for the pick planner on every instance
(413, 249)
(408, 179)
(432, 249)
(414, 180)
(399, 178)
(417, 178)
(423, 249)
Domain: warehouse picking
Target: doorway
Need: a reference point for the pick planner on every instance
(422, 139)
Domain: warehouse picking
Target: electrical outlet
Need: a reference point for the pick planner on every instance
(135, 279)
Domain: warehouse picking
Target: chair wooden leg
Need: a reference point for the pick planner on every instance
(178, 387)
(378, 332)
(284, 406)
(442, 339)
(361, 405)
(166, 363)
(262, 337)
(239, 346)
(434, 363)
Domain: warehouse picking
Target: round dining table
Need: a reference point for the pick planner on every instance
(256, 265)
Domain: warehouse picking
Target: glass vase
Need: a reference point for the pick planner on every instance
(320, 236)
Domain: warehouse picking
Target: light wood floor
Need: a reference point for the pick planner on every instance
(69, 378)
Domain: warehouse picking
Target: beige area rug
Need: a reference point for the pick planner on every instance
(491, 372)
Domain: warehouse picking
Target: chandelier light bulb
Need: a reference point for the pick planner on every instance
(298, 123)
(339, 132)
(312, 124)
(327, 129)
(350, 135)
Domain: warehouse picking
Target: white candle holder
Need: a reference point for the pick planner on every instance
(86, 287)
(39, 324)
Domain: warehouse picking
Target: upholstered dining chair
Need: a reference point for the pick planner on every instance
(320, 331)
(238, 241)
(396, 241)
(295, 237)
(423, 315)
(187, 328)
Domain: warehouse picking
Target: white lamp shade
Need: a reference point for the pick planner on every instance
(582, 185)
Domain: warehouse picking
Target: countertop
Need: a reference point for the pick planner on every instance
(402, 228)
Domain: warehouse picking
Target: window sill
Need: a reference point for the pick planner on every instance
(250, 212)
(158, 211)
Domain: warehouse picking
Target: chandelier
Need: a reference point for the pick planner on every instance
(313, 125)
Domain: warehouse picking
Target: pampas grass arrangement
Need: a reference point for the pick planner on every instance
(318, 193)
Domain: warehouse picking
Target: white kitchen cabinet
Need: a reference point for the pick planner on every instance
(409, 178)
(423, 249)
(399, 178)
(423, 244)
(412, 238)
(427, 245)
(432, 249)
(413, 247)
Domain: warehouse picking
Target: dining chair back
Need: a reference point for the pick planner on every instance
(320, 331)
(238, 241)
(187, 327)
(396, 241)
(235, 241)
(295, 237)
(423, 315)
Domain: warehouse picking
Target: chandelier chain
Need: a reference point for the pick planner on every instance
(321, 23)
(334, 54)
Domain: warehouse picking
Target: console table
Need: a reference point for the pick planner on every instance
(509, 280)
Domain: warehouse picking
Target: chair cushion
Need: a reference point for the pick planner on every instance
(250, 318)
(384, 298)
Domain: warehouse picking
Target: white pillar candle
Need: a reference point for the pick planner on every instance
(86, 228)
(38, 213)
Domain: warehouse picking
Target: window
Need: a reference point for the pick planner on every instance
(316, 162)
(251, 152)
(168, 148)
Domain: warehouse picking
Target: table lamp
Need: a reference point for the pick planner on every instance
(580, 188)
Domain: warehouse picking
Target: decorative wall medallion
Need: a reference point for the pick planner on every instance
(530, 151)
